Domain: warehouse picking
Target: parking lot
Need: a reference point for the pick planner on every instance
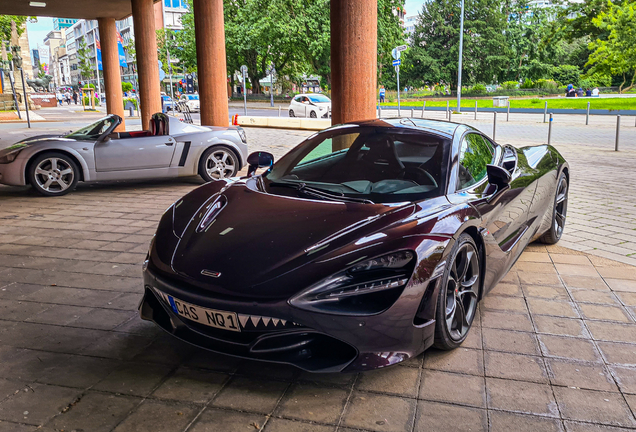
(553, 346)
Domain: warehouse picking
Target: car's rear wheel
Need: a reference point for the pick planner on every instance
(313, 114)
(457, 299)
(559, 212)
(53, 174)
(218, 162)
(292, 113)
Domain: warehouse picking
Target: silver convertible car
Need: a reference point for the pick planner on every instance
(53, 164)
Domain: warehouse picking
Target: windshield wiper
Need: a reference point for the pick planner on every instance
(303, 188)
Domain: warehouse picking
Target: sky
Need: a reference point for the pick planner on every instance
(38, 31)
(413, 7)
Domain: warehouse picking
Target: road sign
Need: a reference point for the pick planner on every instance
(395, 53)
(397, 62)
(402, 48)
(243, 69)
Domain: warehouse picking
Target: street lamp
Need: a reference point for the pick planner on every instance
(17, 64)
(459, 71)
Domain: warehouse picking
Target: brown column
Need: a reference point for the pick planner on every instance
(147, 61)
(110, 64)
(354, 42)
(209, 29)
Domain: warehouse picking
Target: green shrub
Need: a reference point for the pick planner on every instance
(566, 74)
(509, 85)
(545, 84)
(526, 84)
(478, 89)
(595, 80)
(126, 86)
(131, 100)
(87, 101)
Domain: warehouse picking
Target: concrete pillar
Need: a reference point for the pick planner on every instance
(209, 29)
(354, 41)
(110, 65)
(147, 61)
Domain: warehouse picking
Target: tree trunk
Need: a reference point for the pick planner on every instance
(631, 84)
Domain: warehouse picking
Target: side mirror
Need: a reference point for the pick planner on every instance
(258, 160)
(498, 176)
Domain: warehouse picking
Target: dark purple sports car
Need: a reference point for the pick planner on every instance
(363, 246)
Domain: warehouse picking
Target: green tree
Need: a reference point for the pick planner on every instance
(83, 61)
(616, 55)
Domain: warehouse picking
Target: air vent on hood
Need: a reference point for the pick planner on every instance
(211, 212)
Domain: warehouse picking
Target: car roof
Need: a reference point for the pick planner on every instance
(439, 127)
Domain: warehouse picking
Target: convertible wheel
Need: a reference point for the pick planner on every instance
(217, 163)
(53, 174)
(291, 113)
(457, 299)
(313, 114)
(559, 212)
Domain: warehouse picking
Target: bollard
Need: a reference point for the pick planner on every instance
(423, 109)
(508, 112)
(447, 108)
(412, 113)
(618, 131)
(587, 116)
(494, 126)
(545, 111)
(279, 109)
(550, 130)
(449, 115)
(380, 111)
(131, 111)
(475, 110)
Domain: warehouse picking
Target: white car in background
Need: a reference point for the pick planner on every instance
(191, 100)
(312, 105)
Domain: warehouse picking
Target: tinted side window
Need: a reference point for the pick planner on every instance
(474, 154)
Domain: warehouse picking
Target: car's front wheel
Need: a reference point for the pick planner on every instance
(559, 212)
(457, 299)
(53, 174)
(218, 162)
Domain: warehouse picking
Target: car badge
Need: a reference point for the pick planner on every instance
(211, 273)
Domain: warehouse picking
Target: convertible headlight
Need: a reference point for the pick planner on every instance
(11, 154)
(366, 288)
(241, 133)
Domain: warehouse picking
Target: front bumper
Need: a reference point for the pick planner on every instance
(13, 172)
(314, 342)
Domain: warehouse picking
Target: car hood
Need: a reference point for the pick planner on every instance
(32, 141)
(256, 237)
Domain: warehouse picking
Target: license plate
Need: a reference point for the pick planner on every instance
(210, 317)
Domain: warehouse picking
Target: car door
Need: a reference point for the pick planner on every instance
(138, 153)
(298, 107)
(504, 212)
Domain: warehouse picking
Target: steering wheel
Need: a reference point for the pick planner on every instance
(421, 171)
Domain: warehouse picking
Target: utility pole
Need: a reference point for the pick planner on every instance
(459, 70)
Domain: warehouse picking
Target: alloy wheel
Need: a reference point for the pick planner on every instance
(54, 175)
(220, 164)
(561, 210)
(461, 292)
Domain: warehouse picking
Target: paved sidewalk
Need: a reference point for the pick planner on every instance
(553, 346)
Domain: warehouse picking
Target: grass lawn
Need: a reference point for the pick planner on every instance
(565, 103)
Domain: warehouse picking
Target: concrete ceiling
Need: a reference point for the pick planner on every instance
(80, 9)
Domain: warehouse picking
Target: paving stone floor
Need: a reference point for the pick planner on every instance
(553, 346)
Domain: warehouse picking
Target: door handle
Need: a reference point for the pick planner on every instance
(169, 143)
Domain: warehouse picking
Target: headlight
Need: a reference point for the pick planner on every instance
(366, 288)
(241, 133)
(10, 156)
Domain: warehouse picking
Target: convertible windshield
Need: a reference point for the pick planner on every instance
(376, 164)
(93, 131)
(318, 98)
(193, 97)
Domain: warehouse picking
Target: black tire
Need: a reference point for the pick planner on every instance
(291, 113)
(218, 162)
(458, 294)
(53, 174)
(313, 114)
(559, 212)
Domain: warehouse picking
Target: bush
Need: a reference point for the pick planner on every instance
(595, 80)
(545, 84)
(509, 85)
(478, 89)
(526, 84)
(87, 101)
(566, 74)
(131, 100)
(126, 86)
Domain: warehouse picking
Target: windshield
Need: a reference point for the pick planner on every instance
(378, 164)
(193, 97)
(93, 131)
(318, 98)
